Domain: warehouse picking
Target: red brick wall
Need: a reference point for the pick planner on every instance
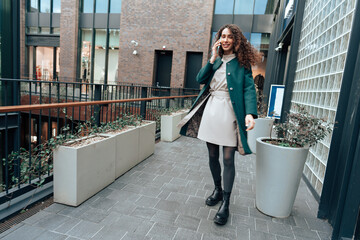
(69, 22)
(179, 25)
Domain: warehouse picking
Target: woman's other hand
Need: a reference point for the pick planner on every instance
(214, 51)
(249, 122)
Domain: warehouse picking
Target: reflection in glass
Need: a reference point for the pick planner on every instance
(115, 6)
(264, 7)
(88, 6)
(44, 63)
(244, 6)
(33, 6)
(57, 63)
(56, 6)
(224, 6)
(85, 69)
(32, 30)
(114, 38)
(101, 6)
(45, 6)
(261, 42)
(99, 59)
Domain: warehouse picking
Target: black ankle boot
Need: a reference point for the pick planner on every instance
(215, 197)
(222, 215)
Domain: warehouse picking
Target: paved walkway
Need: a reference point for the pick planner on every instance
(163, 198)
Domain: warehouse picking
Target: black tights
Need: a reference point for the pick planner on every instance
(229, 165)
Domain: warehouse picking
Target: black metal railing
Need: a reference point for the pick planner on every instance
(45, 108)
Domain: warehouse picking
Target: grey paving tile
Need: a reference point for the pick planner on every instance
(189, 209)
(318, 224)
(85, 230)
(243, 232)
(142, 212)
(51, 221)
(25, 232)
(255, 235)
(109, 233)
(73, 211)
(132, 236)
(301, 233)
(188, 222)
(145, 201)
(94, 215)
(245, 201)
(186, 234)
(36, 217)
(178, 197)
(261, 225)
(240, 220)
(68, 225)
(280, 229)
(165, 217)
(127, 223)
(55, 208)
(163, 231)
(166, 205)
(10, 230)
(124, 207)
(47, 235)
(324, 235)
(104, 203)
(208, 227)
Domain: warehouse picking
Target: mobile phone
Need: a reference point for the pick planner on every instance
(219, 46)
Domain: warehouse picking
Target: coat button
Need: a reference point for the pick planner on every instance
(228, 73)
(231, 88)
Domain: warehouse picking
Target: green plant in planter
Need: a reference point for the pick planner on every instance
(300, 129)
(34, 165)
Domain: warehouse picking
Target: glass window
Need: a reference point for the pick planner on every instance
(32, 30)
(101, 6)
(264, 7)
(56, 30)
(114, 39)
(99, 59)
(45, 6)
(86, 43)
(247, 35)
(88, 6)
(56, 6)
(45, 30)
(33, 6)
(224, 7)
(261, 42)
(115, 6)
(244, 6)
(44, 63)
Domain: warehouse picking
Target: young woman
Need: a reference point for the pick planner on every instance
(225, 109)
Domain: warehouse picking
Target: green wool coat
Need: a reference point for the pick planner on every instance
(242, 93)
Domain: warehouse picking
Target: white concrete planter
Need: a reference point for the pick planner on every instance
(278, 174)
(169, 130)
(133, 146)
(147, 140)
(81, 172)
(262, 129)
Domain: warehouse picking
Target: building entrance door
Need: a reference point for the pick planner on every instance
(163, 60)
(193, 66)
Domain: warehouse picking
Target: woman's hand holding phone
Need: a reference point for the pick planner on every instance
(215, 51)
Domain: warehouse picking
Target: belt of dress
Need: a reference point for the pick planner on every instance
(220, 93)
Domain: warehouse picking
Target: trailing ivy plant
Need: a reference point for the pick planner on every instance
(39, 162)
(300, 129)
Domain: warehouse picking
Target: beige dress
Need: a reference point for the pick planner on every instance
(218, 122)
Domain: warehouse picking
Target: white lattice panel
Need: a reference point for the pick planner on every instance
(322, 52)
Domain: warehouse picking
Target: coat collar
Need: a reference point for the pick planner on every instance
(218, 62)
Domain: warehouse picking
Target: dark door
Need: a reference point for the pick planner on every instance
(163, 68)
(193, 66)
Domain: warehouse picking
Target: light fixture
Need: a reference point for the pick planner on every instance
(135, 43)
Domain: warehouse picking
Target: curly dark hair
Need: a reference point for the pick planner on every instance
(246, 54)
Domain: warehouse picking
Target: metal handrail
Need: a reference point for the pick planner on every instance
(17, 108)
